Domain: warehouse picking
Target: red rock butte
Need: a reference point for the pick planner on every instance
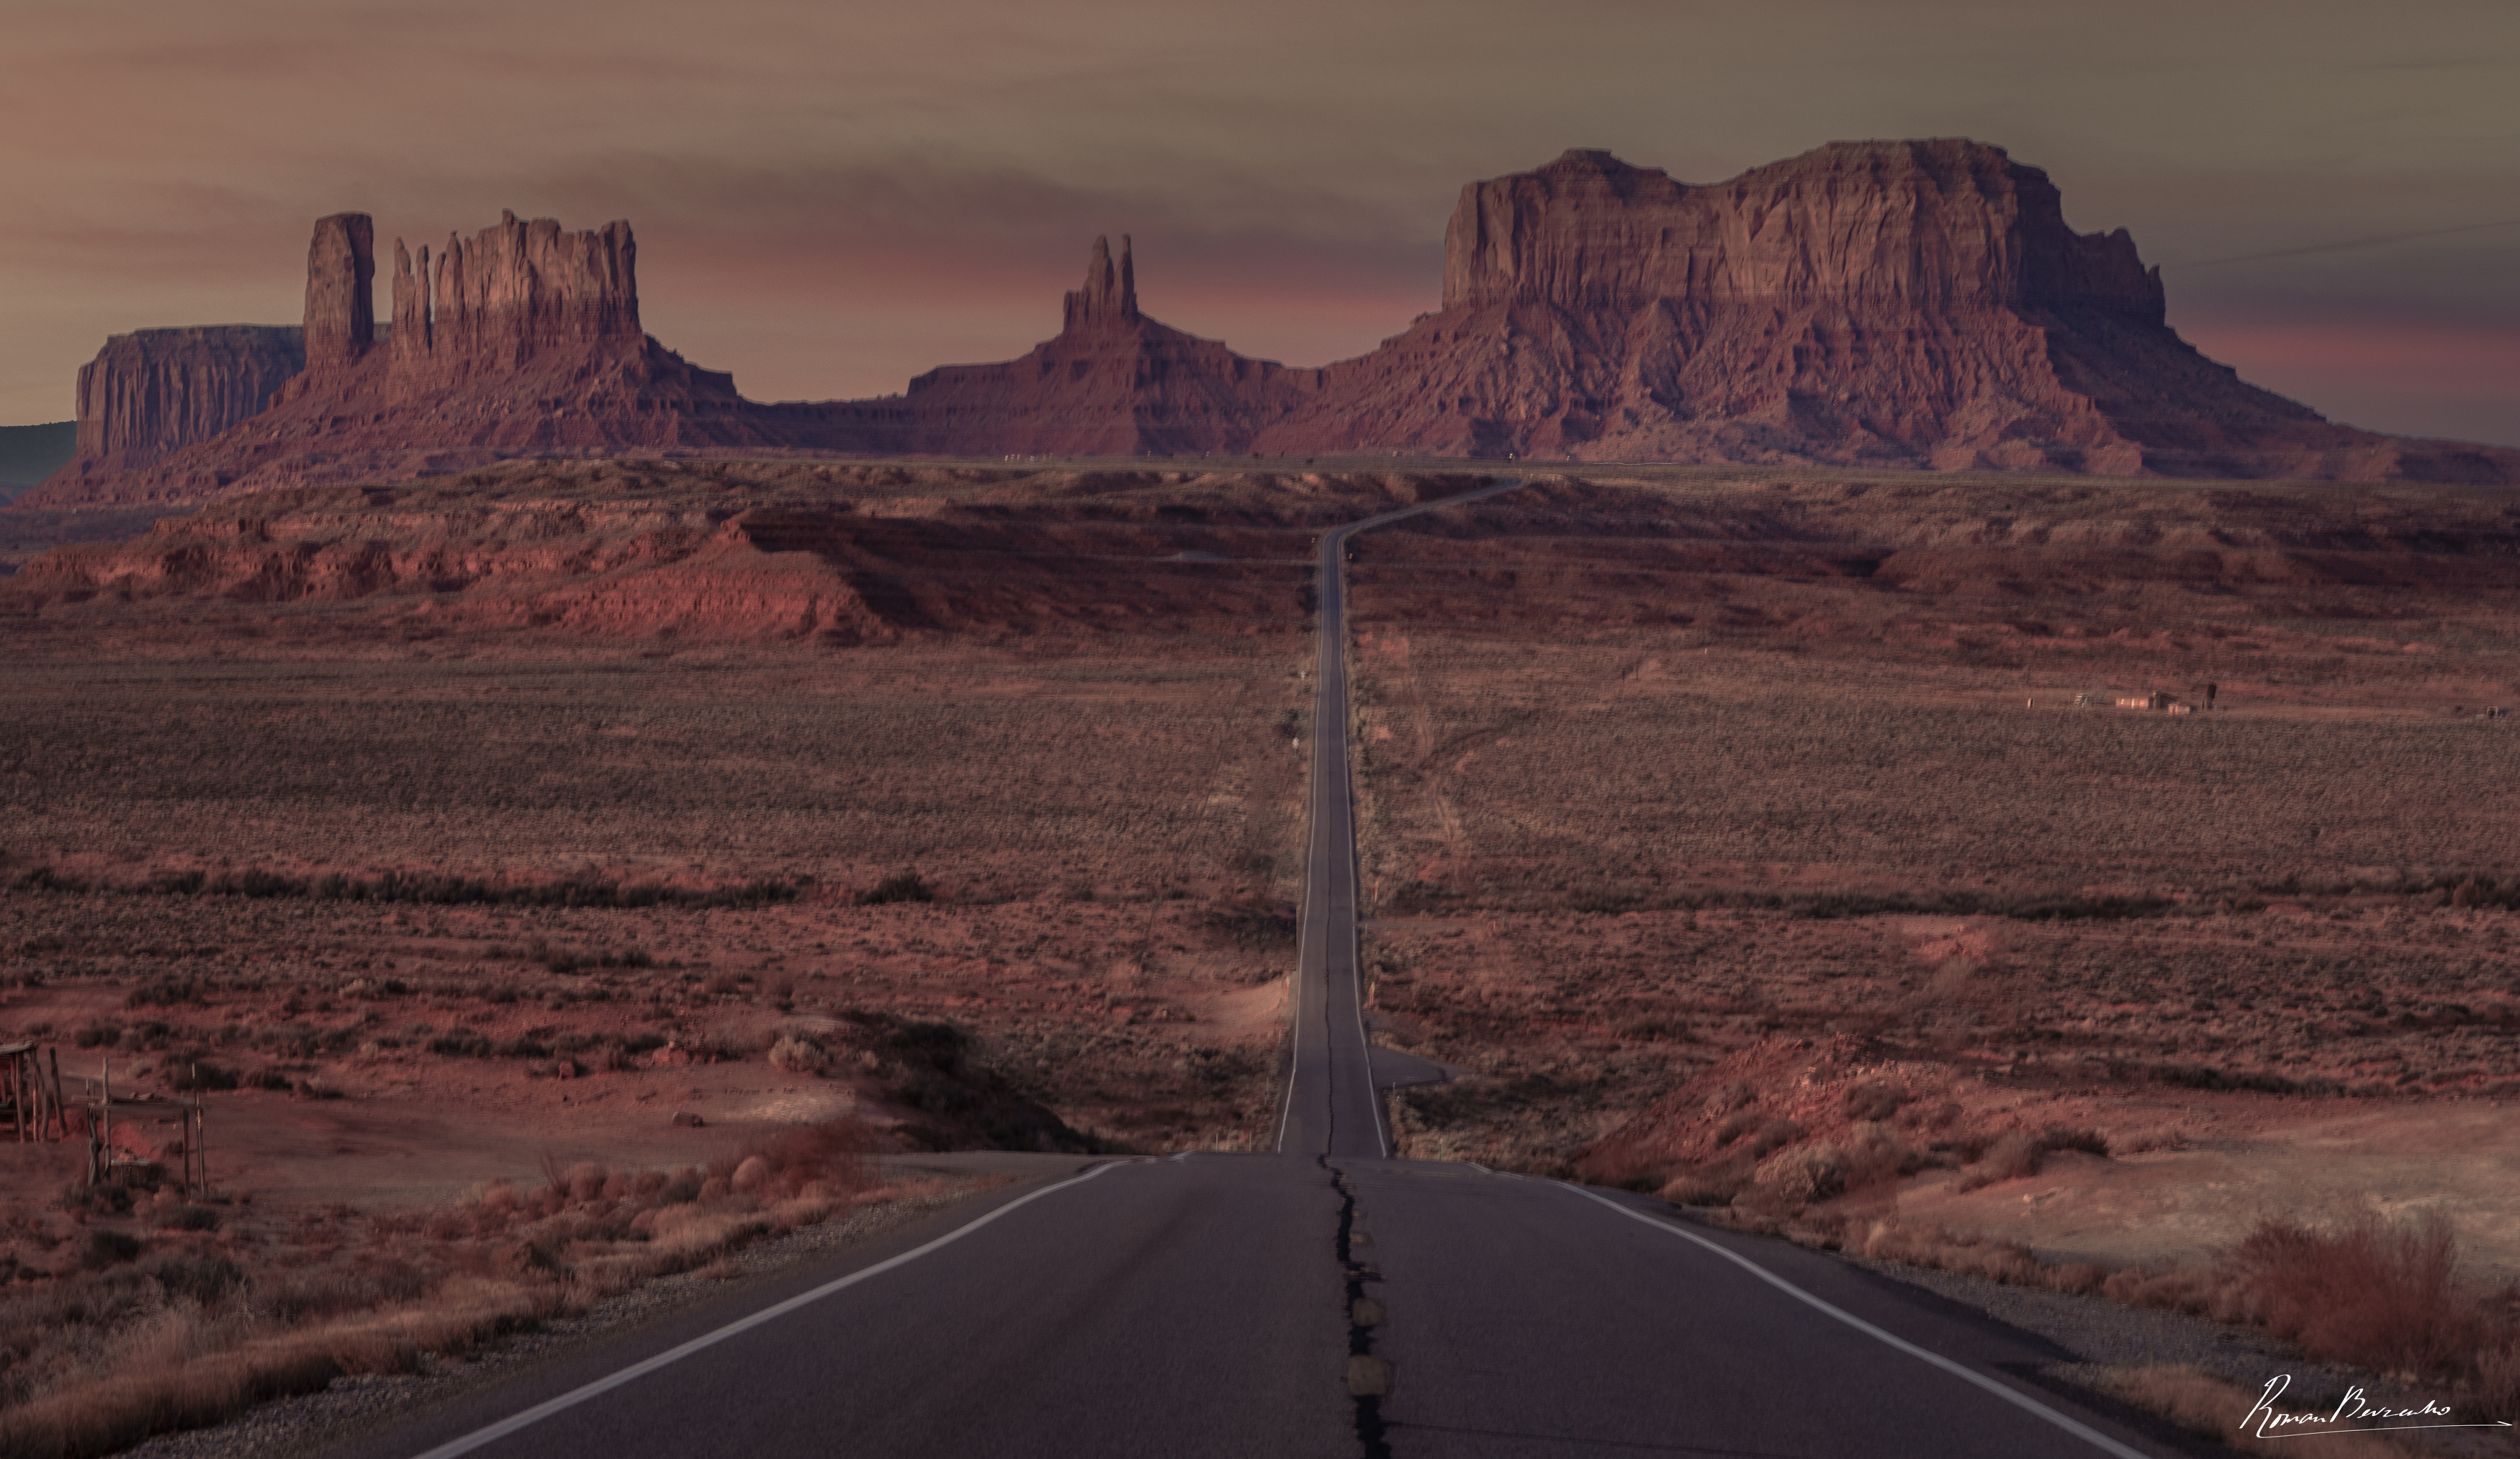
(1868, 304)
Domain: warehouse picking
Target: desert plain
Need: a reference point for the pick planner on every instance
(1832, 852)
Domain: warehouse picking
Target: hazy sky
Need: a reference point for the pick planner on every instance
(831, 197)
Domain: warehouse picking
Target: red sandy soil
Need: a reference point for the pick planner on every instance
(1659, 767)
(1664, 769)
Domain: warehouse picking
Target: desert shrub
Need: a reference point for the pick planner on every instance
(1872, 1101)
(1798, 1177)
(2379, 1292)
(564, 960)
(98, 1035)
(2088, 1141)
(167, 993)
(189, 1218)
(907, 887)
(105, 1249)
(2014, 1156)
(113, 1199)
(2200, 1077)
(373, 1279)
(454, 891)
(45, 879)
(1736, 1096)
(197, 1279)
(1773, 1136)
(193, 1075)
(2019, 1153)
(1254, 925)
(1701, 1189)
(2495, 1390)
(795, 1054)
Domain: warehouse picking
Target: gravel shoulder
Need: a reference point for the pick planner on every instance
(2103, 1336)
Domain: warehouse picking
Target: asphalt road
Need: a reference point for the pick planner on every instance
(1332, 1103)
(1325, 1299)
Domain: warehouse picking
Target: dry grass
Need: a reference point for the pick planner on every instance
(2368, 1292)
(98, 1362)
(2375, 1293)
(1641, 770)
(1103, 773)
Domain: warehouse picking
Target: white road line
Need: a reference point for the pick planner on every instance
(2070, 1425)
(571, 1399)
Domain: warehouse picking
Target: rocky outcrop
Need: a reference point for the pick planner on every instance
(1908, 305)
(1870, 303)
(523, 339)
(514, 292)
(753, 551)
(1114, 382)
(340, 291)
(1109, 299)
(152, 392)
(1879, 303)
(1928, 226)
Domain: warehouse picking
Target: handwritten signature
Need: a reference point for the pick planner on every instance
(2354, 1413)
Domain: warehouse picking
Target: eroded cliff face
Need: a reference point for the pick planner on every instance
(523, 339)
(152, 392)
(340, 291)
(1114, 382)
(1873, 303)
(1868, 304)
(511, 292)
(1938, 225)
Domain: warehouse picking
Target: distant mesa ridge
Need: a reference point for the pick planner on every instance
(1902, 303)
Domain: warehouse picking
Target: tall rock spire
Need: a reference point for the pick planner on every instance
(1109, 295)
(341, 289)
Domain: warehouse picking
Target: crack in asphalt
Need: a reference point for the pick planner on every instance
(1371, 1431)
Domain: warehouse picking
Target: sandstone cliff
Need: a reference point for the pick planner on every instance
(514, 292)
(1868, 304)
(152, 392)
(523, 339)
(340, 291)
(1886, 303)
(1114, 382)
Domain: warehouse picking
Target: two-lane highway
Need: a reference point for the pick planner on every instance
(1331, 1103)
(1325, 1300)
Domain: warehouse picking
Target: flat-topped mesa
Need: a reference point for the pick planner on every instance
(340, 293)
(1940, 224)
(515, 290)
(1110, 296)
(153, 392)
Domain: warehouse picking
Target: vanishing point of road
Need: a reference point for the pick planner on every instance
(1323, 1298)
